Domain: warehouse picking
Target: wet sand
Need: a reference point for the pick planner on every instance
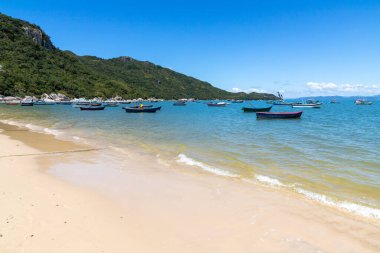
(57, 196)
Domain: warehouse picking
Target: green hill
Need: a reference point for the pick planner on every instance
(30, 64)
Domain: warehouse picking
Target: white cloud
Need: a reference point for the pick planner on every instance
(249, 90)
(343, 89)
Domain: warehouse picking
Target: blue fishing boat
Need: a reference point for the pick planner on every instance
(92, 107)
(180, 103)
(278, 115)
(142, 109)
(256, 109)
(27, 103)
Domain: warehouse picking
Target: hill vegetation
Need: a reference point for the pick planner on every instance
(31, 65)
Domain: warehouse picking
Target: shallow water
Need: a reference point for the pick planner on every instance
(330, 155)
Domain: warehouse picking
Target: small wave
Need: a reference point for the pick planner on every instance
(34, 127)
(361, 210)
(186, 160)
(13, 123)
(52, 131)
(348, 206)
(268, 180)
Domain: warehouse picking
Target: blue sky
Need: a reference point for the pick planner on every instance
(300, 47)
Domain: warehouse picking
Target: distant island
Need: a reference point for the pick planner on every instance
(31, 65)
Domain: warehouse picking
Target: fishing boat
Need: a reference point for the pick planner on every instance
(282, 103)
(64, 102)
(306, 106)
(80, 104)
(256, 109)
(12, 102)
(363, 102)
(142, 109)
(111, 104)
(139, 106)
(92, 107)
(27, 102)
(219, 104)
(311, 101)
(179, 103)
(278, 115)
(44, 102)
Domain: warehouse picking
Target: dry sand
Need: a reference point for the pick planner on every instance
(150, 207)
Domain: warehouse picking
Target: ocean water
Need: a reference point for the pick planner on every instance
(330, 155)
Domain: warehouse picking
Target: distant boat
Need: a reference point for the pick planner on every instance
(124, 102)
(64, 102)
(142, 109)
(281, 103)
(220, 104)
(111, 104)
(334, 101)
(13, 102)
(81, 103)
(180, 103)
(237, 101)
(278, 115)
(44, 102)
(256, 109)
(310, 101)
(306, 106)
(363, 102)
(139, 106)
(92, 107)
(27, 103)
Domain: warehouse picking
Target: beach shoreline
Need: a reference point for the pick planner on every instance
(60, 196)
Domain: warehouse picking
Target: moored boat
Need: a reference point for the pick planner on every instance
(278, 115)
(237, 101)
(80, 104)
(142, 109)
(219, 104)
(306, 106)
(111, 104)
(179, 103)
(44, 102)
(256, 109)
(92, 108)
(27, 103)
(13, 102)
(139, 106)
(282, 103)
(363, 102)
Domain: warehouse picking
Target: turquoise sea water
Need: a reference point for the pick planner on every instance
(331, 154)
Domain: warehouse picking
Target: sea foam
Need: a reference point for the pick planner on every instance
(182, 158)
(343, 205)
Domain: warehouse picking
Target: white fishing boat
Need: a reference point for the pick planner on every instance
(306, 106)
(363, 102)
(45, 101)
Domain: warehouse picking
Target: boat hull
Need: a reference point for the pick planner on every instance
(216, 105)
(27, 104)
(278, 115)
(307, 106)
(140, 110)
(249, 109)
(92, 108)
